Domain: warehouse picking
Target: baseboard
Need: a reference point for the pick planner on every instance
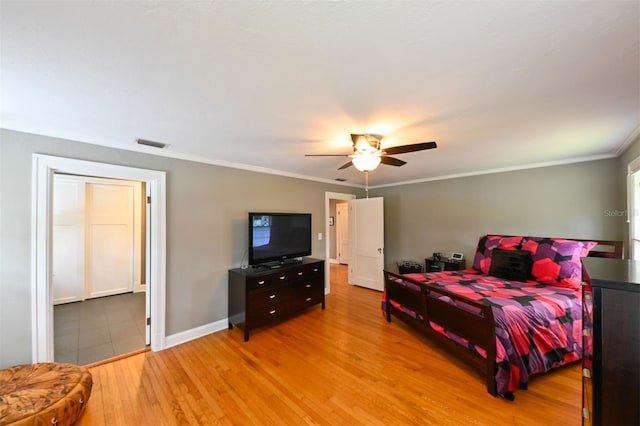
(195, 333)
(333, 261)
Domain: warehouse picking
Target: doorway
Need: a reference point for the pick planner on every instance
(97, 238)
(329, 199)
(97, 268)
(43, 169)
(342, 232)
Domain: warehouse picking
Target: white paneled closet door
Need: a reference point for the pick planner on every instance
(95, 240)
(109, 244)
(68, 239)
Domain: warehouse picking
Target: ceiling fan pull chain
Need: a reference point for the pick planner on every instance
(366, 183)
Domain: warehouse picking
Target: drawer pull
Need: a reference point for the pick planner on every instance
(261, 282)
(308, 286)
(271, 312)
(308, 299)
(300, 274)
(272, 296)
(283, 277)
(315, 269)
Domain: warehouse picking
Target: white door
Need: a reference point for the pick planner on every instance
(110, 249)
(68, 235)
(342, 232)
(366, 242)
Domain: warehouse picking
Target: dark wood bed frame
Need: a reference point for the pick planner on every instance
(473, 322)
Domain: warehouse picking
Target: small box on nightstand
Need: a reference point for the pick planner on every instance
(436, 265)
(409, 267)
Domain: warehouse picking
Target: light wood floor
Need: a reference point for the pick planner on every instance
(344, 365)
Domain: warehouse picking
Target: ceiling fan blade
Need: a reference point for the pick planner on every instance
(344, 166)
(403, 149)
(326, 155)
(392, 161)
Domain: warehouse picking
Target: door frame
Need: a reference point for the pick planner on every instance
(633, 199)
(43, 168)
(328, 196)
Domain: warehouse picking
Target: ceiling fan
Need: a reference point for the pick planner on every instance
(367, 153)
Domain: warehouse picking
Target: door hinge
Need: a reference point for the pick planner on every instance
(149, 200)
(149, 321)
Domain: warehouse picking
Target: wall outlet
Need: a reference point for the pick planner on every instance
(319, 236)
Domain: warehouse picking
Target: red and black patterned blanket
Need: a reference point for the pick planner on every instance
(538, 326)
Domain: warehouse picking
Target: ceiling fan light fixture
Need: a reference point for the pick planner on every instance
(366, 162)
(367, 144)
(363, 145)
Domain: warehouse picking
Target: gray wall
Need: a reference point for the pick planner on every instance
(206, 229)
(450, 215)
(206, 220)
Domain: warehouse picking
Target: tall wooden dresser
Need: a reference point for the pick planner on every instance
(611, 342)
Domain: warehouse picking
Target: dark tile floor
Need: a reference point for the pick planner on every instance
(97, 329)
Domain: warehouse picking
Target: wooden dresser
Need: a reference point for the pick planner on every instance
(611, 343)
(259, 296)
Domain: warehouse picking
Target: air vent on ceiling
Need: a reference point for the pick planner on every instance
(154, 144)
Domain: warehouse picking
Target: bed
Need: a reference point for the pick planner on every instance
(516, 313)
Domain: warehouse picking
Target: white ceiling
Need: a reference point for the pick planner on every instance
(498, 85)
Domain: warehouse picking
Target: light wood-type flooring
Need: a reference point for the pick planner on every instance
(344, 365)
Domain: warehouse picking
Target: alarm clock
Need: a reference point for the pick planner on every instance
(457, 256)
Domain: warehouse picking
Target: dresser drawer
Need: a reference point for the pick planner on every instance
(307, 287)
(312, 271)
(302, 301)
(269, 296)
(264, 314)
(255, 283)
(307, 293)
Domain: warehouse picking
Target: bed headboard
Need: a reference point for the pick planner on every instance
(610, 249)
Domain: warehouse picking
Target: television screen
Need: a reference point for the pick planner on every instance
(276, 237)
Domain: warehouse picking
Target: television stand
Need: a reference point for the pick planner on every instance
(260, 296)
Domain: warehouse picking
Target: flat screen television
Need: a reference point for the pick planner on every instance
(276, 238)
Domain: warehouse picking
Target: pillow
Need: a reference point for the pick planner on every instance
(511, 264)
(557, 261)
(486, 244)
